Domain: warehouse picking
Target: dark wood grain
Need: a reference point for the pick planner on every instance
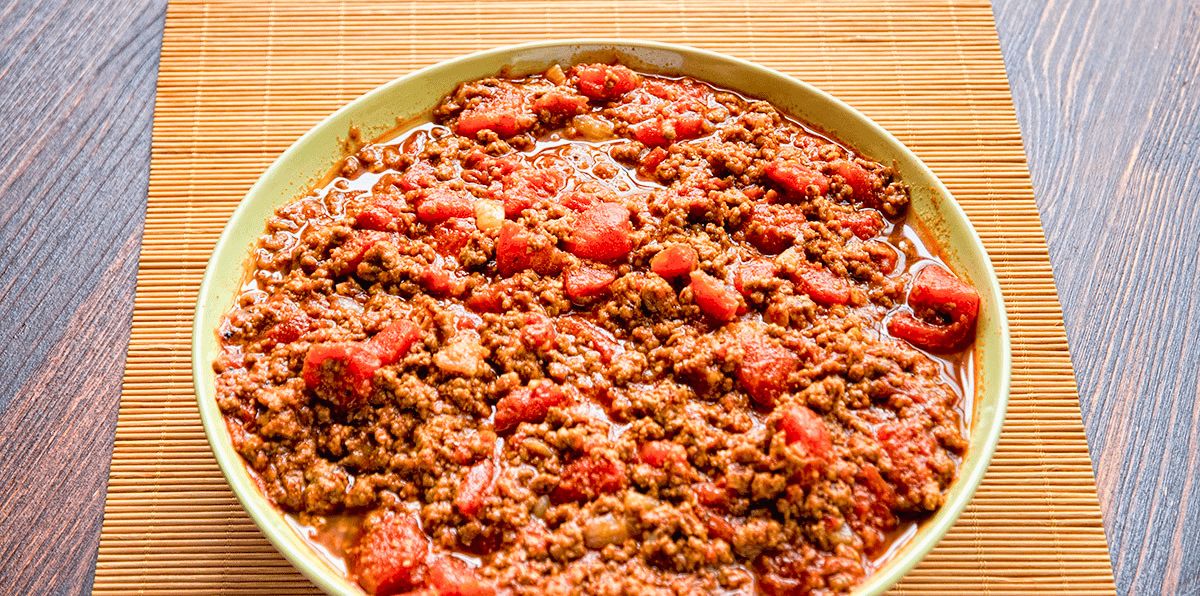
(1110, 113)
(76, 99)
(1108, 96)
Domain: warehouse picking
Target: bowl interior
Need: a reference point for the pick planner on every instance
(411, 97)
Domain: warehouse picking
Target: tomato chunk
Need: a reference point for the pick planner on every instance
(374, 218)
(340, 373)
(421, 174)
(390, 556)
(347, 257)
(291, 327)
(765, 370)
(860, 181)
(674, 261)
(659, 132)
(804, 428)
(515, 253)
(490, 298)
(602, 233)
(581, 283)
(504, 113)
(442, 204)
(774, 228)
(650, 162)
(910, 449)
(602, 82)
(527, 404)
(714, 298)
(449, 576)
(539, 332)
(660, 453)
(453, 235)
(558, 102)
(526, 186)
(589, 477)
(797, 180)
(944, 314)
(579, 201)
(871, 515)
(865, 224)
(824, 287)
(476, 485)
(752, 274)
(394, 341)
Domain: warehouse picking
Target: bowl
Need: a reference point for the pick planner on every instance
(412, 97)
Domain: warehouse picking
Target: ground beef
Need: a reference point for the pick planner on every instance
(600, 332)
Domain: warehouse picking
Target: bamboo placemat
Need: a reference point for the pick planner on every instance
(239, 81)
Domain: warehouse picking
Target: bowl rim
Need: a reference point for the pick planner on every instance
(302, 556)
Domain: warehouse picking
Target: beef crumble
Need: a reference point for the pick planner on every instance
(597, 331)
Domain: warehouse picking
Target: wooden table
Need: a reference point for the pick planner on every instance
(1108, 99)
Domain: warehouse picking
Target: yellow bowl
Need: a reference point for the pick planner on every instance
(414, 95)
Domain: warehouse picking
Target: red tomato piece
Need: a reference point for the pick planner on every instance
(588, 477)
(374, 217)
(558, 102)
(441, 204)
(603, 82)
(860, 181)
(579, 201)
(539, 332)
(871, 513)
(802, 427)
(946, 310)
(910, 450)
(824, 287)
(660, 453)
(581, 283)
(674, 261)
(476, 485)
(865, 224)
(453, 235)
(490, 298)
(711, 494)
(774, 228)
(660, 132)
(797, 180)
(341, 373)
(714, 298)
(602, 233)
(436, 279)
(527, 404)
(504, 113)
(599, 338)
(352, 252)
(650, 162)
(765, 370)
(421, 174)
(449, 576)
(525, 187)
(751, 274)
(394, 341)
(290, 328)
(512, 249)
(390, 556)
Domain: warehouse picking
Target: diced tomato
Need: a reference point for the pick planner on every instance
(860, 181)
(803, 570)
(290, 328)
(436, 279)
(751, 274)
(374, 218)
(797, 180)
(803, 428)
(476, 485)
(352, 252)
(674, 261)
(421, 174)
(714, 298)
(946, 311)
(711, 494)
(340, 373)
(660, 132)
(910, 449)
(660, 453)
(512, 249)
(588, 477)
(449, 576)
(527, 404)
(650, 162)
(558, 102)
(490, 298)
(824, 287)
(765, 370)
(579, 201)
(719, 526)
(602, 82)
(504, 113)
(440, 204)
(599, 338)
(523, 187)
(581, 283)
(774, 228)
(865, 224)
(390, 556)
(871, 514)
(602, 233)
(394, 341)
(884, 255)
(538, 332)
(453, 235)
